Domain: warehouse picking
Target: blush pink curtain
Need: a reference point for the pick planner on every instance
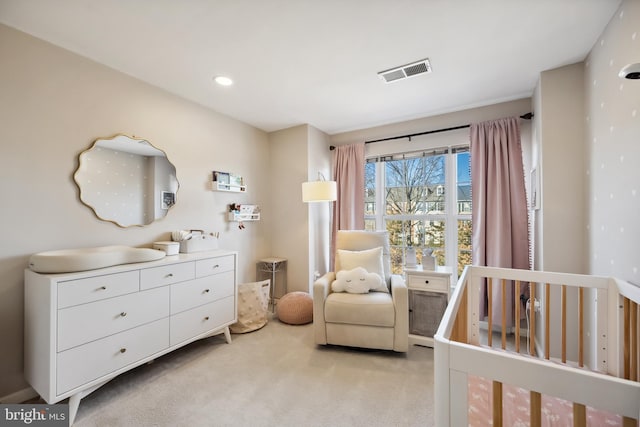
(499, 214)
(348, 172)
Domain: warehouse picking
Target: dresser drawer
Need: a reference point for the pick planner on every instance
(81, 291)
(88, 322)
(166, 275)
(201, 291)
(206, 267)
(91, 361)
(200, 320)
(433, 283)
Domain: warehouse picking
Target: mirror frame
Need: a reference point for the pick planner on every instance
(82, 193)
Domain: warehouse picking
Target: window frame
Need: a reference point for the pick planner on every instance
(450, 217)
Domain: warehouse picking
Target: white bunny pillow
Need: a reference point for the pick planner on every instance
(356, 281)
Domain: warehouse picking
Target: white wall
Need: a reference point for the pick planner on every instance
(54, 105)
(561, 220)
(290, 224)
(612, 144)
(319, 161)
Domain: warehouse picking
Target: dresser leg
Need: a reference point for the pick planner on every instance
(74, 403)
(227, 334)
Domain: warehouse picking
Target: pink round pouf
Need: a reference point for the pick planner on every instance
(295, 308)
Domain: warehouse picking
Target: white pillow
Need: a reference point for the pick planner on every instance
(369, 259)
(356, 281)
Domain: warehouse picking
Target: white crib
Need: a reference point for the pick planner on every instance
(586, 353)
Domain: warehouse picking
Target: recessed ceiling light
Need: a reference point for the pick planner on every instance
(223, 81)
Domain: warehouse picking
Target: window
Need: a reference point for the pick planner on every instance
(426, 203)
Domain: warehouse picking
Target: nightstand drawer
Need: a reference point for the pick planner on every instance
(428, 282)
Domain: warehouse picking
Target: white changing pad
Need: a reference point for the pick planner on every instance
(71, 260)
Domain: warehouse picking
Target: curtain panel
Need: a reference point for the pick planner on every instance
(348, 172)
(499, 206)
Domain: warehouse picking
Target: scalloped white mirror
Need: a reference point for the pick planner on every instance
(126, 181)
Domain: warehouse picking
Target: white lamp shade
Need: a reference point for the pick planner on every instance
(319, 191)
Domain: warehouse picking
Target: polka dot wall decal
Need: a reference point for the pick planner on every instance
(595, 82)
(602, 228)
(634, 113)
(634, 35)
(611, 195)
(611, 63)
(611, 129)
(633, 192)
(601, 165)
(621, 14)
(602, 42)
(601, 105)
(622, 229)
(635, 270)
(621, 159)
(621, 86)
(612, 262)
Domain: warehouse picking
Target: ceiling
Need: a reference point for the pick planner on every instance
(316, 62)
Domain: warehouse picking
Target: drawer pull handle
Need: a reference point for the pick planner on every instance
(206, 290)
(123, 314)
(216, 266)
(426, 281)
(169, 275)
(206, 318)
(102, 288)
(123, 350)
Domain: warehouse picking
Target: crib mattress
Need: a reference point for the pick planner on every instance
(515, 404)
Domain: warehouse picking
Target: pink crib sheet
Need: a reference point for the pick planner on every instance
(515, 403)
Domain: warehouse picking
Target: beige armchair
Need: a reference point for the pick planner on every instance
(377, 320)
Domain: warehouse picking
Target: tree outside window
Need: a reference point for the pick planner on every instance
(414, 191)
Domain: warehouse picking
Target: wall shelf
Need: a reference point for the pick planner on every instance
(225, 181)
(218, 186)
(239, 216)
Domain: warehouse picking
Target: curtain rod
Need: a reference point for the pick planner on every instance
(527, 116)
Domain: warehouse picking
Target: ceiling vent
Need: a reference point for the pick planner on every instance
(405, 71)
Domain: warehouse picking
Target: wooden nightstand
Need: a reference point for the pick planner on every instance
(428, 297)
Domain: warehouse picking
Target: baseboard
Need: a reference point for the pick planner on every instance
(484, 325)
(19, 396)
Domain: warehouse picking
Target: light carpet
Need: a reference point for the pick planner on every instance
(275, 376)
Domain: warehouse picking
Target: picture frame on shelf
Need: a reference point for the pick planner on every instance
(221, 177)
(168, 199)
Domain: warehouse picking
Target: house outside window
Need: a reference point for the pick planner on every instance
(413, 190)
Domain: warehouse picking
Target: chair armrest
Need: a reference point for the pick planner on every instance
(400, 296)
(321, 289)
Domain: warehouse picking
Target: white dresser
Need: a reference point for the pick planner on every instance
(83, 329)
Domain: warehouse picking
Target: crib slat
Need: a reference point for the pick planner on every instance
(504, 314)
(516, 295)
(633, 338)
(579, 415)
(535, 400)
(490, 314)
(497, 404)
(626, 312)
(547, 317)
(580, 327)
(564, 323)
(532, 316)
